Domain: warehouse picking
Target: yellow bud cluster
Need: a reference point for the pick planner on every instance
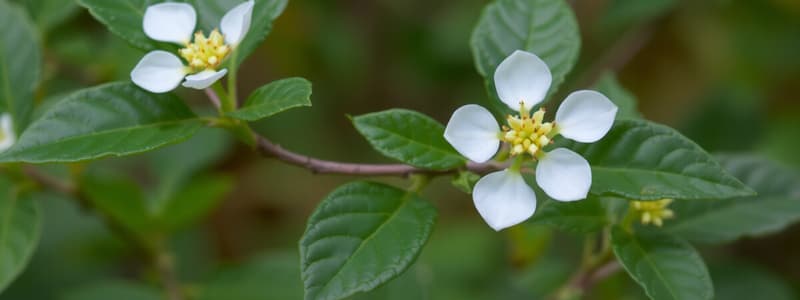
(527, 134)
(654, 212)
(206, 53)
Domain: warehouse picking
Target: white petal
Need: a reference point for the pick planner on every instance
(170, 22)
(236, 22)
(472, 130)
(203, 79)
(585, 116)
(564, 175)
(158, 72)
(522, 76)
(8, 137)
(504, 199)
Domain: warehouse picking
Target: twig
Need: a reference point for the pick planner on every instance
(214, 98)
(318, 166)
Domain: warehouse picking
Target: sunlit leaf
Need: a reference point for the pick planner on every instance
(643, 160)
(410, 137)
(115, 119)
(274, 98)
(546, 28)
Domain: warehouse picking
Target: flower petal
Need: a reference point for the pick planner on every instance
(585, 116)
(564, 175)
(504, 199)
(158, 72)
(170, 22)
(204, 79)
(7, 136)
(236, 22)
(473, 131)
(522, 76)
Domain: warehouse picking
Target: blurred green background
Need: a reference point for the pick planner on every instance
(724, 72)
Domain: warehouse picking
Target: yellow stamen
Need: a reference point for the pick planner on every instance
(205, 52)
(653, 212)
(527, 134)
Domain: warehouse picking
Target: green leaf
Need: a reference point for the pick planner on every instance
(115, 119)
(274, 98)
(20, 228)
(20, 63)
(546, 28)
(583, 216)
(465, 181)
(265, 277)
(715, 221)
(113, 289)
(410, 137)
(665, 266)
(124, 18)
(362, 235)
(121, 199)
(609, 86)
(193, 202)
(48, 13)
(642, 160)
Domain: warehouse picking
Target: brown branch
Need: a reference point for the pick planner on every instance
(318, 166)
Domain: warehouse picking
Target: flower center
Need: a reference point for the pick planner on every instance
(527, 134)
(205, 52)
(653, 212)
(3, 136)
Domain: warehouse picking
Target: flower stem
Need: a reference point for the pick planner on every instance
(227, 104)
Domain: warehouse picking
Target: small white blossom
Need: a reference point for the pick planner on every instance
(161, 71)
(503, 198)
(7, 136)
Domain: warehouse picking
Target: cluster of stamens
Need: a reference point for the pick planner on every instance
(205, 52)
(653, 212)
(527, 134)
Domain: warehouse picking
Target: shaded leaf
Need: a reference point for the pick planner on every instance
(20, 63)
(665, 266)
(194, 201)
(265, 277)
(583, 216)
(720, 220)
(362, 235)
(20, 228)
(625, 101)
(116, 289)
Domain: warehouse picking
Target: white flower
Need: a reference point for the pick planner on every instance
(160, 71)
(7, 136)
(503, 198)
